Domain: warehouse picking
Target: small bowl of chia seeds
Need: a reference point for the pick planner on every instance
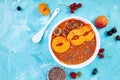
(56, 73)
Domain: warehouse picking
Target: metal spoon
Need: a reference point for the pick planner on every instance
(38, 36)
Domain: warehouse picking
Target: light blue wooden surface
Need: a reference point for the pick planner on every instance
(21, 59)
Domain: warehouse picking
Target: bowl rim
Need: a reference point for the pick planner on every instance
(87, 61)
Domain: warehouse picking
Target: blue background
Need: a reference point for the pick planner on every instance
(21, 59)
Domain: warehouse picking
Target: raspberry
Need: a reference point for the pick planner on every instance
(73, 75)
(101, 56)
(79, 5)
(74, 7)
(71, 11)
(99, 53)
(102, 50)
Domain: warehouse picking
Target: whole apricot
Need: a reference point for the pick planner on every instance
(101, 21)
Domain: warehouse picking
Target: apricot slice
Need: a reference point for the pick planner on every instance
(86, 29)
(90, 36)
(77, 41)
(44, 9)
(74, 32)
(60, 44)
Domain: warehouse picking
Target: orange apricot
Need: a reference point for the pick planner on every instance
(101, 21)
(60, 44)
(44, 9)
(86, 29)
(74, 32)
(79, 40)
(46, 12)
(90, 36)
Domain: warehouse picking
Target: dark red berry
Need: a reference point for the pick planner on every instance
(75, 7)
(109, 33)
(118, 37)
(73, 75)
(95, 71)
(101, 56)
(99, 53)
(71, 11)
(71, 7)
(19, 8)
(74, 3)
(114, 30)
(102, 50)
(79, 5)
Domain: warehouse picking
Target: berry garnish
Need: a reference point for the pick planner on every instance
(74, 7)
(101, 56)
(109, 33)
(99, 53)
(79, 5)
(118, 37)
(73, 75)
(102, 50)
(71, 11)
(114, 30)
(95, 71)
(19, 8)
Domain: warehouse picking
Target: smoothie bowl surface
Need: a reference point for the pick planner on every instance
(74, 42)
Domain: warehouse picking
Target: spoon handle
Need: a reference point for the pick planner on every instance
(53, 16)
(38, 36)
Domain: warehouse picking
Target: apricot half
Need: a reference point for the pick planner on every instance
(90, 36)
(43, 8)
(76, 33)
(60, 44)
(86, 29)
(101, 21)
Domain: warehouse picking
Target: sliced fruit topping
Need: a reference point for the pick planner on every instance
(70, 25)
(75, 37)
(60, 44)
(90, 36)
(78, 24)
(65, 32)
(78, 41)
(57, 31)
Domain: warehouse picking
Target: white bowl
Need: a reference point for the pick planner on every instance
(87, 61)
